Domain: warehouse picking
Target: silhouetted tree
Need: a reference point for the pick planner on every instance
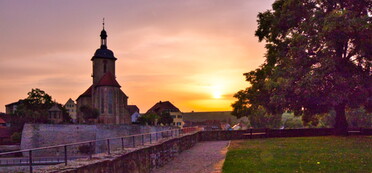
(89, 113)
(148, 119)
(165, 119)
(318, 59)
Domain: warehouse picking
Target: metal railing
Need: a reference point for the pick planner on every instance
(106, 145)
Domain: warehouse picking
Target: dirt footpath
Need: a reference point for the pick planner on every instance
(204, 157)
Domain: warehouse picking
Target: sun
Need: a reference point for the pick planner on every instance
(217, 94)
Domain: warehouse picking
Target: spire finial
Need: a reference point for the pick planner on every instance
(103, 23)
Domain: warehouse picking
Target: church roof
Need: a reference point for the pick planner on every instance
(108, 79)
(87, 93)
(104, 53)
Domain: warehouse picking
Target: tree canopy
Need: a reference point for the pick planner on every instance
(318, 58)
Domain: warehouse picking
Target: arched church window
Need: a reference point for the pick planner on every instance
(110, 101)
(102, 102)
(104, 66)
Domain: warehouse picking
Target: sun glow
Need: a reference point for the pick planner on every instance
(217, 94)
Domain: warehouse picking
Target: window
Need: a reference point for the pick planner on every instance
(110, 102)
(102, 102)
(179, 116)
(104, 66)
(178, 123)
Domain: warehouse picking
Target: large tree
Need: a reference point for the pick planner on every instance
(318, 59)
(33, 109)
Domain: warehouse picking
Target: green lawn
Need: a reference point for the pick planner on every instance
(302, 154)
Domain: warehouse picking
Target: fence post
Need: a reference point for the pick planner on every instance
(90, 150)
(30, 160)
(108, 146)
(65, 147)
(251, 133)
(150, 138)
(122, 143)
(143, 139)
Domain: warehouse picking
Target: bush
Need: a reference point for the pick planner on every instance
(16, 137)
(85, 149)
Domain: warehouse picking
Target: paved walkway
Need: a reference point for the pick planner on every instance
(204, 157)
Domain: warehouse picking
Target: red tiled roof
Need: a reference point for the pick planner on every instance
(108, 79)
(87, 93)
(2, 121)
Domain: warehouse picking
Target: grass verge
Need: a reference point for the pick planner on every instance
(301, 154)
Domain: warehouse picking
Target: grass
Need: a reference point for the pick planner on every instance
(302, 154)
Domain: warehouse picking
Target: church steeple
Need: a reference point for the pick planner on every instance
(103, 36)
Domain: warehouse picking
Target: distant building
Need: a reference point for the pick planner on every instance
(12, 107)
(212, 120)
(134, 112)
(167, 107)
(55, 114)
(105, 94)
(71, 109)
(177, 119)
(163, 107)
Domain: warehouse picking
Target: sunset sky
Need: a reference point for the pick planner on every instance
(190, 52)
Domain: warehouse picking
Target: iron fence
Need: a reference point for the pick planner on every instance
(84, 149)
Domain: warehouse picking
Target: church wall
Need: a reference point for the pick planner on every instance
(80, 102)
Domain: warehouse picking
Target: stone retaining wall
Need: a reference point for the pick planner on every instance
(142, 160)
(42, 135)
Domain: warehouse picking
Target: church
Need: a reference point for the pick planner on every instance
(104, 95)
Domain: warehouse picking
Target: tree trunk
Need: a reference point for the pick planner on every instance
(341, 123)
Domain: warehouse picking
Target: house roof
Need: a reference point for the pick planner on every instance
(55, 108)
(132, 109)
(14, 103)
(162, 106)
(108, 79)
(6, 117)
(2, 121)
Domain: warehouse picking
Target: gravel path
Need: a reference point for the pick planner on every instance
(204, 157)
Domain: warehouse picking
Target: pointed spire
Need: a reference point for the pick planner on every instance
(103, 23)
(103, 36)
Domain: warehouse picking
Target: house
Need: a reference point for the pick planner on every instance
(12, 107)
(167, 107)
(177, 119)
(5, 135)
(71, 109)
(163, 107)
(134, 112)
(55, 114)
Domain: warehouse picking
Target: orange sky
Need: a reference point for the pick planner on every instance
(190, 52)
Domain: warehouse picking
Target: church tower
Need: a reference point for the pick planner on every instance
(104, 96)
(103, 59)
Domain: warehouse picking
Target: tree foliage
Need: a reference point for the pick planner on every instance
(318, 58)
(34, 108)
(165, 119)
(148, 119)
(89, 113)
